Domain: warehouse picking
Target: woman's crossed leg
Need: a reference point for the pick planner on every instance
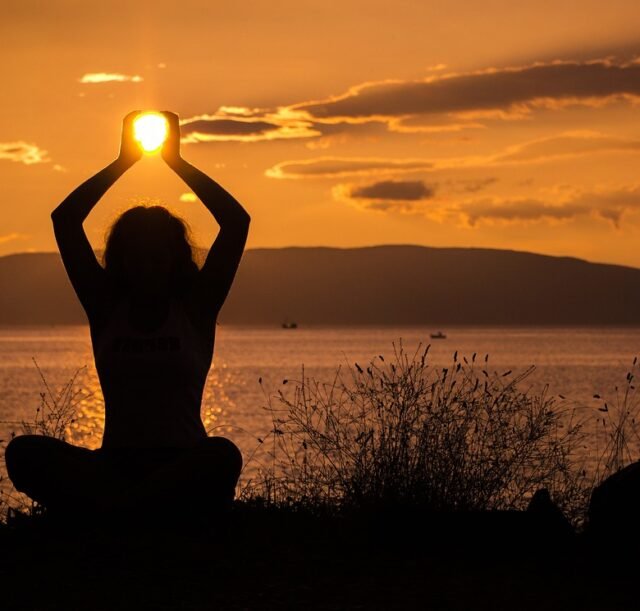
(64, 477)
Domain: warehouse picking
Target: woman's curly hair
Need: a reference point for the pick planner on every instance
(167, 229)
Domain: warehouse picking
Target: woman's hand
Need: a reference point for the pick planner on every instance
(130, 150)
(171, 148)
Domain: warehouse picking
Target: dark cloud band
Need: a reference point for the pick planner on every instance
(605, 204)
(409, 190)
(228, 127)
(481, 91)
(441, 103)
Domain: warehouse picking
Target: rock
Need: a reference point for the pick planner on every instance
(614, 508)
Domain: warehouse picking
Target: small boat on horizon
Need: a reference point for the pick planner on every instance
(438, 335)
(289, 325)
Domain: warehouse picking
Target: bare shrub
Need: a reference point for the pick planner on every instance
(399, 431)
(53, 417)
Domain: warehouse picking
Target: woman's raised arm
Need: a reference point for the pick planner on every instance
(221, 263)
(87, 276)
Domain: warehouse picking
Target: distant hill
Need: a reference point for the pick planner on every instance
(378, 285)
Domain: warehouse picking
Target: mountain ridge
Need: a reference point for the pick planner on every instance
(391, 284)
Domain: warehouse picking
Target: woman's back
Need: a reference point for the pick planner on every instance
(152, 380)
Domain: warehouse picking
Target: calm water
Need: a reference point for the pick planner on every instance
(574, 362)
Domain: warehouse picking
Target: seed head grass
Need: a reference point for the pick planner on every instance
(54, 415)
(400, 432)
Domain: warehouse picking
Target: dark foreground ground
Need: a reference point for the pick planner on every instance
(259, 559)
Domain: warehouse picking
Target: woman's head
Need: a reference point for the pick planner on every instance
(148, 252)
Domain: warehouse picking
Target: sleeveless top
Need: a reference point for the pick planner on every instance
(152, 382)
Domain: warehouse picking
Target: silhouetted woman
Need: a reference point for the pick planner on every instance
(152, 317)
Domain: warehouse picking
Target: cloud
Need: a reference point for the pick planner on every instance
(330, 167)
(430, 125)
(561, 146)
(230, 127)
(10, 237)
(468, 185)
(388, 206)
(567, 144)
(407, 196)
(243, 125)
(493, 92)
(608, 204)
(518, 210)
(23, 152)
(393, 189)
(385, 195)
(439, 102)
(108, 77)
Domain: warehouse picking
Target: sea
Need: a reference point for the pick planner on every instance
(251, 364)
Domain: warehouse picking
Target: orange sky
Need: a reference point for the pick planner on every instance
(446, 123)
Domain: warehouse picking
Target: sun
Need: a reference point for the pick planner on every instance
(150, 130)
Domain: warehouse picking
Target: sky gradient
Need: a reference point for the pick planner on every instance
(446, 123)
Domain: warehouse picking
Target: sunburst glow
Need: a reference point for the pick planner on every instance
(150, 130)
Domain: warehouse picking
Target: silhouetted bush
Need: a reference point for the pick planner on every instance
(53, 417)
(400, 432)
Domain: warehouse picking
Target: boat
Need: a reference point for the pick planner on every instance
(289, 325)
(438, 335)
